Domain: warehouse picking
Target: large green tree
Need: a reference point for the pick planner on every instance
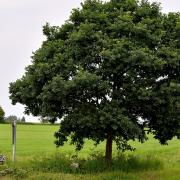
(2, 113)
(108, 66)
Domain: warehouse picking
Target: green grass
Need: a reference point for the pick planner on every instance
(38, 158)
(30, 138)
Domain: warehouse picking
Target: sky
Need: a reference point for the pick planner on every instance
(21, 24)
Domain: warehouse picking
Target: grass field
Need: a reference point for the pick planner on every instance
(38, 158)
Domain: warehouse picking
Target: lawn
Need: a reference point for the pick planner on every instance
(38, 157)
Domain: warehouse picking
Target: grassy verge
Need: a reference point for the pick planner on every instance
(92, 166)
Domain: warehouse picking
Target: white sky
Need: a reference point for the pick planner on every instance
(21, 24)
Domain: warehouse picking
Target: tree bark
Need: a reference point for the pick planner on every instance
(108, 156)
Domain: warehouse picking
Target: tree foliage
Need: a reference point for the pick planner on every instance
(107, 66)
(2, 113)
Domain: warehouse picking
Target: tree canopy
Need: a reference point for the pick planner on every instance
(109, 65)
(2, 113)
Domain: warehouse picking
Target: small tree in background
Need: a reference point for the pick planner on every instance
(108, 65)
(23, 119)
(2, 114)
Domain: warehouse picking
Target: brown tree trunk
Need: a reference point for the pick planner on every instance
(108, 156)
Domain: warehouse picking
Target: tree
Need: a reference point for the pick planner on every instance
(107, 66)
(2, 113)
(23, 119)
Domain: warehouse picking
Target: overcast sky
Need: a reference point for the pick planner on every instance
(21, 24)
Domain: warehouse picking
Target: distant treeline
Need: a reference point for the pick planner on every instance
(30, 123)
(14, 118)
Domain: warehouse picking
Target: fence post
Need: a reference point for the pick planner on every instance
(14, 140)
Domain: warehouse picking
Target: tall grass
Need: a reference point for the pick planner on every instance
(93, 165)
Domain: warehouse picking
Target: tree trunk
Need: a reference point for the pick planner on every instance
(108, 156)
